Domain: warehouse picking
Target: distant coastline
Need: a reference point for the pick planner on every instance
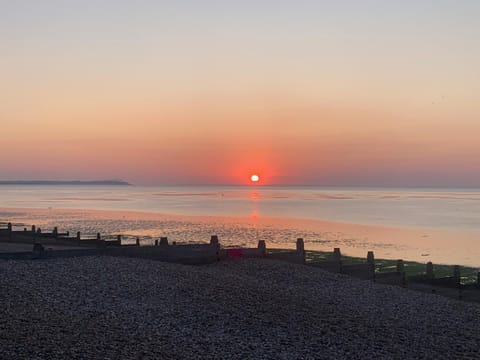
(64, 182)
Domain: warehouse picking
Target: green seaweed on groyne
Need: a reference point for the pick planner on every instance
(411, 268)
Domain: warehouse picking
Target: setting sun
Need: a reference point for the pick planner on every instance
(254, 178)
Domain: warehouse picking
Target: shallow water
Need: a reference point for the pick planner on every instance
(416, 224)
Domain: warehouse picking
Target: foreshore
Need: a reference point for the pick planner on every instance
(420, 245)
(105, 307)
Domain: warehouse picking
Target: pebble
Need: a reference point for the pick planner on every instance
(126, 308)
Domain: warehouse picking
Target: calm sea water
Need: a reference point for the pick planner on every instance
(443, 220)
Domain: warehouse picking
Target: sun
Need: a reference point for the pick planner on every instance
(255, 178)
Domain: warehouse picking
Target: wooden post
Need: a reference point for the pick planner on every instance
(163, 241)
(100, 242)
(370, 258)
(456, 274)
(400, 266)
(33, 229)
(9, 227)
(156, 242)
(401, 271)
(55, 232)
(301, 250)
(371, 264)
(119, 240)
(300, 244)
(214, 241)
(78, 237)
(429, 270)
(337, 256)
(456, 279)
(137, 241)
(337, 260)
(39, 231)
(262, 247)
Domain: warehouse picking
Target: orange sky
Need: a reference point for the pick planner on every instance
(304, 94)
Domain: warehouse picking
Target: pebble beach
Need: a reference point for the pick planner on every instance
(125, 308)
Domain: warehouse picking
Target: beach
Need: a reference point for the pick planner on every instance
(441, 246)
(438, 225)
(104, 307)
(240, 180)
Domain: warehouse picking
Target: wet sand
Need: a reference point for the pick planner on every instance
(445, 246)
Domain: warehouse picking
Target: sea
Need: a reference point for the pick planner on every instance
(420, 224)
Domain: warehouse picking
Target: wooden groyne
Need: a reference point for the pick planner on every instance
(35, 234)
(212, 251)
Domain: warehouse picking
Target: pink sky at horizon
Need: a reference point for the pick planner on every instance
(302, 93)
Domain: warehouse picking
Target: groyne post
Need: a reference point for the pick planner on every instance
(337, 260)
(401, 271)
(456, 274)
(55, 232)
(337, 255)
(400, 266)
(215, 244)
(262, 247)
(100, 242)
(370, 258)
(119, 240)
(371, 264)
(9, 227)
(78, 237)
(301, 249)
(214, 241)
(156, 242)
(33, 229)
(137, 241)
(163, 241)
(300, 245)
(429, 270)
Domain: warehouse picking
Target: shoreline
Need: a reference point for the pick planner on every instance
(418, 245)
(469, 275)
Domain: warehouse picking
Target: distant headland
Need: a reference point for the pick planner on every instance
(64, 182)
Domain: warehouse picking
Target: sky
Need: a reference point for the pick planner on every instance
(372, 93)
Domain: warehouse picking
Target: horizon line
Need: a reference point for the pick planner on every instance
(120, 182)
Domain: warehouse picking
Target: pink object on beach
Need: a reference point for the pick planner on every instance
(234, 253)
